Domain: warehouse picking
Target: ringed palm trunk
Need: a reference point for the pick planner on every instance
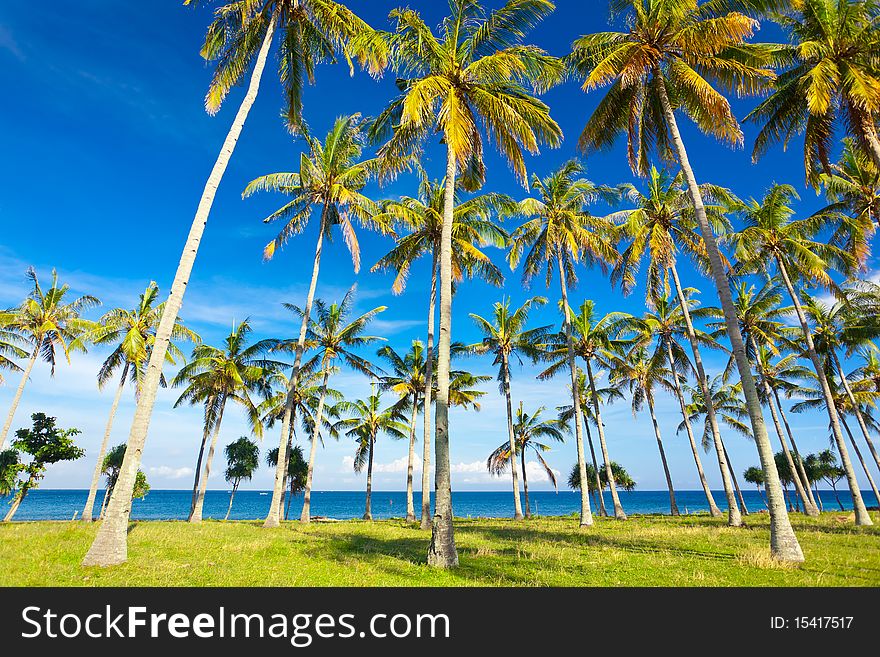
(673, 507)
(410, 505)
(517, 506)
(442, 552)
(96, 475)
(858, 452)
(783, 542)
(209, 460)
(526, 484)
(429, 375)
(619, 513)
(713, 508)
(368, 515)
(734, 517)
(18, 393)
(602, 510)
(856, 410)
(814, 498)
(305, 516)
(110, 545)
(586, 519)
(862, 517)
(231, 498)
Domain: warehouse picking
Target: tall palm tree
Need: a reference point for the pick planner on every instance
(831, 78)
(239, 38)
(331, 178)
(476, 71)
(473, 228)
(46, 322)
(771, 238)
(853, 186)
(529, 430)
(132, 334)
(218, 375)
(561, 233)
(505, 336)
(242, 460)
(10, 347)
(368, 420)
(667, 60)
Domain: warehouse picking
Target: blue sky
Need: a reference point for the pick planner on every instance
(105, 152)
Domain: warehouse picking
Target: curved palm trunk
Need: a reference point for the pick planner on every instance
(17, 398)
(857, 411)
(673, 507)
(429, 382)
(203, 486)
(198, 474)
(815, 500)
(837, 496)
(231, 498)
(442, 552)
(619, 514)
(18, 499)
(862, 517)
(742, 500)
(526, 484)
(818, 497)
(368, 515)
(305, 516)
(602, 510)
(110, 545)
(783, 542)
(676, 385)
(410, 505)
(734, 517)
(514, 475)
(96, 475)
(858, 452)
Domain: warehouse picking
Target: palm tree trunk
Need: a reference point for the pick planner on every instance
(505, 377)
(198, 474)
(289, 500)
(284, 502)
(442, 552)
(619, 514)
(16, 502)
(368, 515)
(818, 497)
(761, 493)
(305, 516)
(856, 410)
(525, 483)
(673, 507)
(586, 519)
(410, 505)
(231, 498)
(869, 132)
(107, 493)
(797, 455)
(99, 466)
(18, 393)
(111, 545)
(429, 374)
(862, 517)
(852, 441)
(676, 384)
(783, 542)
(742, 500)
(734, 517)
(837, 496)
(602, 510)
(203, 486)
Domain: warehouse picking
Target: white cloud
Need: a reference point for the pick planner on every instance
(166, 472)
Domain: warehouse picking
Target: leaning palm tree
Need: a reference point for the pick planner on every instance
(853, 187)
(529, 430)
(561, 233)
(132, 333)
(665, 61)
(505, 337)
(475, 72)
(240, 37)
(330, 181)
(242, 460)
(44, 324)
(772, 239)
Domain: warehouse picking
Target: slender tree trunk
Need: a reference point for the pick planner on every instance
(742, 500)
(284, 502)
(602, 510)
(783, 542)
(206, 433)
(761, 493)
(410, 505)
(429, 375)
(788, 498)
(290, 497)
(797, 455)
(818, 497)
(231, 498)
(110, 545)
(856, 409)
(676, 384)
(368, 515)
(203, 486)
(525, 484)
(442, 552)
(858, 452)
(514, 475)
(18, 393)
(609, 475)
(673, 507)
(99, 466)
(305, 516)
(837, 497)
(107, 492)
(862, 517)
(18, 499)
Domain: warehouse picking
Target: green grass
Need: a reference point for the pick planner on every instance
(644, 551)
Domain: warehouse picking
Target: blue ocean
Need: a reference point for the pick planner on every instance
(342, 505)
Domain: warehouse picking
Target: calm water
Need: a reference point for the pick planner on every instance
(249, 505)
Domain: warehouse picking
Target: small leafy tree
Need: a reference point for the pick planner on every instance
(10, 466)
(622, 478)
(755, 475)
(242, 459)
(110, 468)
(297, 472)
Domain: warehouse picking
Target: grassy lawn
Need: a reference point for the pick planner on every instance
(644, 551)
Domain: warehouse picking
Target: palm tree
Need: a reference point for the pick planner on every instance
(473, 228)
(10, 347)
(505, 336)
(560, 234)
(215, 376)
(477, 71)
(331, 177)
(242, 459)
(241, 34)
(368, 420)
(295, 473)
(334, 337)
(830, 471)
(772, 238)
(43, 324)
(853, 186)
(667, 60)
(132, 334)
(831, 77)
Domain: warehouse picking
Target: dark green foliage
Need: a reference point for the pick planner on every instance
(622, 478)
(297, 468)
